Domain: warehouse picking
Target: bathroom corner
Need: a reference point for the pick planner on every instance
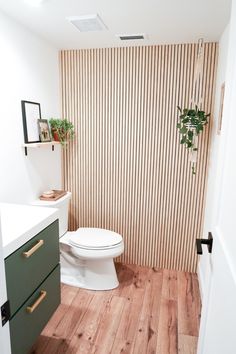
(25, 62)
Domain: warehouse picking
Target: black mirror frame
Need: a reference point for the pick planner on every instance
(24, 117)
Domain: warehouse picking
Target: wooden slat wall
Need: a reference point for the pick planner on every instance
(126, 169)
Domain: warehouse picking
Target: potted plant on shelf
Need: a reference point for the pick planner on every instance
(62, 130)
(190, 125)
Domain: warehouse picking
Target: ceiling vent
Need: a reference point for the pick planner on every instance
(87, 23)
(131, 37)
(34, 3)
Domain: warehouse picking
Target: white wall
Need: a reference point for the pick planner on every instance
(226, 215)
(28, 71)
(213, 175)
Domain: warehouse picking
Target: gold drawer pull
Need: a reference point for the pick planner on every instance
(33, 249)
(31, 309)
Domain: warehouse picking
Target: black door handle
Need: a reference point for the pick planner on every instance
(204, 241)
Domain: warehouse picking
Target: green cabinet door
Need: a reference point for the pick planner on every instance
(26, 326)
(24, 272)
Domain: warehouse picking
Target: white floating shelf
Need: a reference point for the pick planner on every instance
(40, 145)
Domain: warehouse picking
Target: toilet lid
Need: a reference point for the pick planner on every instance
(94, 238)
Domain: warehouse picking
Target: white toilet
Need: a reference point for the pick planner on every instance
(86, 254)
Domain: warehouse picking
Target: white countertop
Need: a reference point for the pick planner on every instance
(22, 222)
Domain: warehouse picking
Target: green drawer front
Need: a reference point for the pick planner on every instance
(23, 275)
(25, 327)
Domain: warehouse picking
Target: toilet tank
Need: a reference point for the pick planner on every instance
(63, 205)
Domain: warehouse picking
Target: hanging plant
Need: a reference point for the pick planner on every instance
(191, 123)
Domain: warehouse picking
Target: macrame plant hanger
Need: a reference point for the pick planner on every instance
(196, 97)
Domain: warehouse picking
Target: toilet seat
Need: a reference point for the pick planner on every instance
(95, 239)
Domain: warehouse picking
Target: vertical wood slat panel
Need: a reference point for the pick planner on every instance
(126, 169)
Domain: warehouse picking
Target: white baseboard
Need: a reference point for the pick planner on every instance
(200, 281)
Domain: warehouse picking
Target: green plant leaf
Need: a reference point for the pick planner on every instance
(190, 134)
(189, 144)
(199, 128)
(183, 130)
(191, 112)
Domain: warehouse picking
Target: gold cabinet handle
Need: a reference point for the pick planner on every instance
(33, 249)
(31, 309)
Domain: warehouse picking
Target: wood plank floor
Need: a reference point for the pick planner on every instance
(152, 311)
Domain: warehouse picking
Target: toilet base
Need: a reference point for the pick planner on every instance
(88, 274)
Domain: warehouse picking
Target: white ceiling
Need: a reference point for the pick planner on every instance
(163, 21)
